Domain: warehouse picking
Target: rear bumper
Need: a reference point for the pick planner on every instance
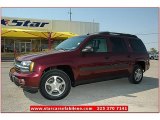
(28, 81)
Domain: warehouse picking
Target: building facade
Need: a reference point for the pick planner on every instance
(17, 33)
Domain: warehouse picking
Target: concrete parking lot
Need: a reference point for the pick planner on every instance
(142, 97)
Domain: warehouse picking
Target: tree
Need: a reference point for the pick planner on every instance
(153, 50)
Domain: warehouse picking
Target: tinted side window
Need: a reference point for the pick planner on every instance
(118, 45)
(137, 46)
(98, 44)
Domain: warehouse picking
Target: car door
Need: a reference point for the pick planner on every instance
(93, 64)
(121, 59)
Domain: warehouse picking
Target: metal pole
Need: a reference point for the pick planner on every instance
(4, 46)
(49, 36)
(31, 46)
(40, 45)
(14, 44)
(70, 14)
(49, 41)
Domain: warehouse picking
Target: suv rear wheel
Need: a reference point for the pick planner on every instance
(137, 75)
(55, 85)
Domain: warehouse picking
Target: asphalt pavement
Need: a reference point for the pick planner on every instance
(141, 97)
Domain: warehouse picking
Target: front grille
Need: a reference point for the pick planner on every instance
(17, 69)
(16, 65)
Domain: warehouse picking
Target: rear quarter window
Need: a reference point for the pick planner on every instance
(118, 45)
(137, 46)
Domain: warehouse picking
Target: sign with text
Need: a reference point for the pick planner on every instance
(79, 108)
(26, 23)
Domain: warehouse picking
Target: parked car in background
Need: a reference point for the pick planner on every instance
(156, 56)
(153, 56)
(79, 60)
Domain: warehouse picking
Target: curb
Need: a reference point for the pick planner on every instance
(7, 60)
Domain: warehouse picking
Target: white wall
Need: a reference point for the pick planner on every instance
(77, 27)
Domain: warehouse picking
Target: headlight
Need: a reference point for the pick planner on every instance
(27, 66)
(26, 63)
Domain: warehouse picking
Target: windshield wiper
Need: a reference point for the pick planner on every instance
(63, 49)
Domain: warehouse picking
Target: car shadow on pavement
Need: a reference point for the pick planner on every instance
(90, 93)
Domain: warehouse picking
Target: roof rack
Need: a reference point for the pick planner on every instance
(118, 34)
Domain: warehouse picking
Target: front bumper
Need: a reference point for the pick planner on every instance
(28, 81)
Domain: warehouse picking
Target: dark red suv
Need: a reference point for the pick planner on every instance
(79, 60)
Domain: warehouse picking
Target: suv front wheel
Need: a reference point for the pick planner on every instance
(55, 85)
(137, 75)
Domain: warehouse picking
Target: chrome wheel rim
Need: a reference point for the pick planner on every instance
(55, 85)
(138, 74)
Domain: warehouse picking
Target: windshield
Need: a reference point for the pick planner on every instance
(71, 43)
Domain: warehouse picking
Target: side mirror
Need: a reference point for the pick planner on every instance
(87, 49)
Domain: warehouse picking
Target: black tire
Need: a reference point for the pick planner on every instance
(48, 76)
(132, 78)
(152, 58)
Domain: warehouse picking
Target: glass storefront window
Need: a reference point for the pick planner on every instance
(23, 45)
(8, 45)
(44, 44)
